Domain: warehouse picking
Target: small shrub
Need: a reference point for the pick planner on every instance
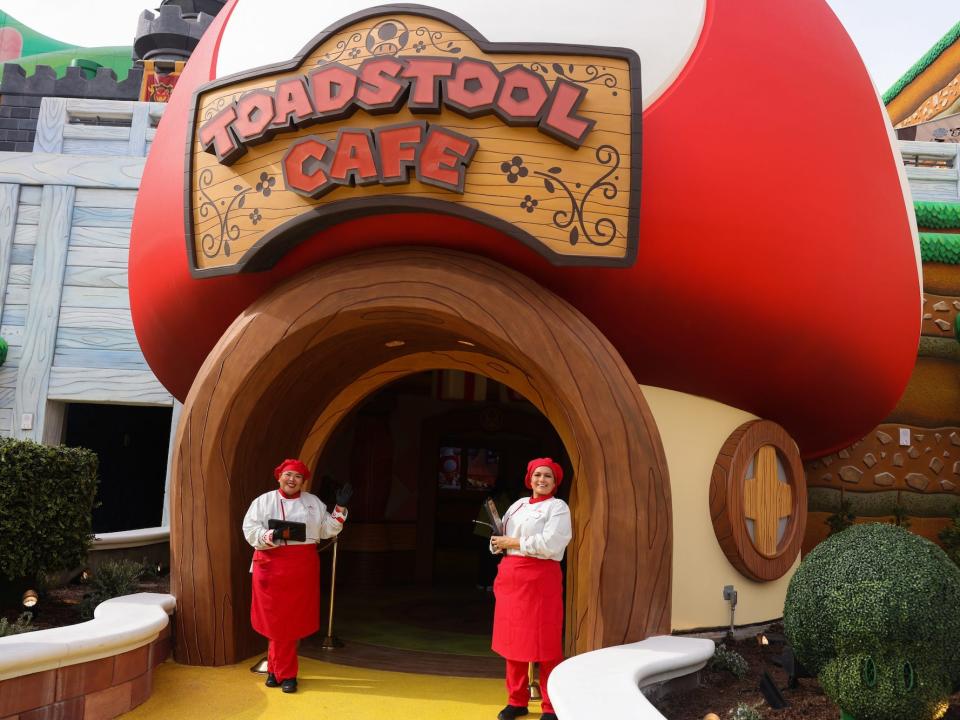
(730, 661)
(900, 517)
(112, 579)
(874, 612)
(746, 712)
(21, 625)
(950, 537)
(46, 507)
(842, 518)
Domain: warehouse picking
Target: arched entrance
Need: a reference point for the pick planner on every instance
(297, 360)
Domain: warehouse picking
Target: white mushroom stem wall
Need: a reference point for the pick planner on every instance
(692, 430)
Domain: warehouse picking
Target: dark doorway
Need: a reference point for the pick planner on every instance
(414, 572)
(131, 443)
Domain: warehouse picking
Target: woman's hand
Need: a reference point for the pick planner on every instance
(503, 542)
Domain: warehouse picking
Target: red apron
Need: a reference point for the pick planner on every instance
(286, 592)
(528, 616)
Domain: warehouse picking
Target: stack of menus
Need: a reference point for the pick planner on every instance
(494, 516)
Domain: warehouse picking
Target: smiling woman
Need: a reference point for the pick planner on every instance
(286, 594)
(528, 619)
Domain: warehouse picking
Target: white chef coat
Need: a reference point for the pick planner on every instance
(543, 528)
(307, 508)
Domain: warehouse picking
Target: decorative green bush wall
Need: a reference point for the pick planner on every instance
(46, 506)
(940, 247)
(937, 215)
(874, 612)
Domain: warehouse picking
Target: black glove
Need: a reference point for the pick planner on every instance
(344, 493)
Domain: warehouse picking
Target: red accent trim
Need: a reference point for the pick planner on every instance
(534, 499)
(288, 497)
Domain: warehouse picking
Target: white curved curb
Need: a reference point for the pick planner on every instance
(118, 625)
(606, 683)
(130, 538)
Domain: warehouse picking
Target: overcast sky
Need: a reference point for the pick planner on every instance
(891, 34)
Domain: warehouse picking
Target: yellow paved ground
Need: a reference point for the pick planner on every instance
(326, 691)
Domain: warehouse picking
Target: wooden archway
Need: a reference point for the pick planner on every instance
(298, 359)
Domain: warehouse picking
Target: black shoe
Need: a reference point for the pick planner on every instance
(272, 680)
(289, 685)
(548, 716)
(512, 711)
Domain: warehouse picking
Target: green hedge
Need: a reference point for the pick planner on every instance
(46, 507)
(874, 612)
(937, 215)
(940, 248)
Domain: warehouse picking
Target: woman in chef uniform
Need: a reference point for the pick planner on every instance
(286, 573)
(528, 617)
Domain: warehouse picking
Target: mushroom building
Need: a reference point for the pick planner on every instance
(907, 469)
(417, 245)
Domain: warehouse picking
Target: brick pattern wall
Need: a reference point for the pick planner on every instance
(96, 690)
(18, 122)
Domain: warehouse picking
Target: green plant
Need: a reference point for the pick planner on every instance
(940, 247)
(746, 712)
(874, 612)
(114, 578)
(842, 518)
(21, 625)
(725, 659)
(950, 537)
(46, 503)
(937, 215)
(900, 517)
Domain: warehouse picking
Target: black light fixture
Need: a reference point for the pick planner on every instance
(792, 667)
(771, 693)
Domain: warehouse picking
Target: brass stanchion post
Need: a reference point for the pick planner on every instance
(331, 642)
(534, 685)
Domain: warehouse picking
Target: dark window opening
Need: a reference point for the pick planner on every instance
(131, 443)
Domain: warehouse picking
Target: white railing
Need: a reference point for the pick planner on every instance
(607, 683)
(932, 170)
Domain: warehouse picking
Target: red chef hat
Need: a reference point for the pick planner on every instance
(292, 464)
(544, 462)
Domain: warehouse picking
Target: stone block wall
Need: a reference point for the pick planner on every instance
(18, 122)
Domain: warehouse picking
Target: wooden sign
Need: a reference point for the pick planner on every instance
(402, 109)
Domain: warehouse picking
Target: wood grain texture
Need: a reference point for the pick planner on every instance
(94, 338)
(550, 169)
(51, 124)
(95, 197)
(76, 170)
(30, 194)
(728, 499)
(25, 234)
(20, 274)
(88, 317)
(118, 237)
(44, 308)
(9, 200)
(130, 387)
(302, 348)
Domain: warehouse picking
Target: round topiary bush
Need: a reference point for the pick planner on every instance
(874, 612)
